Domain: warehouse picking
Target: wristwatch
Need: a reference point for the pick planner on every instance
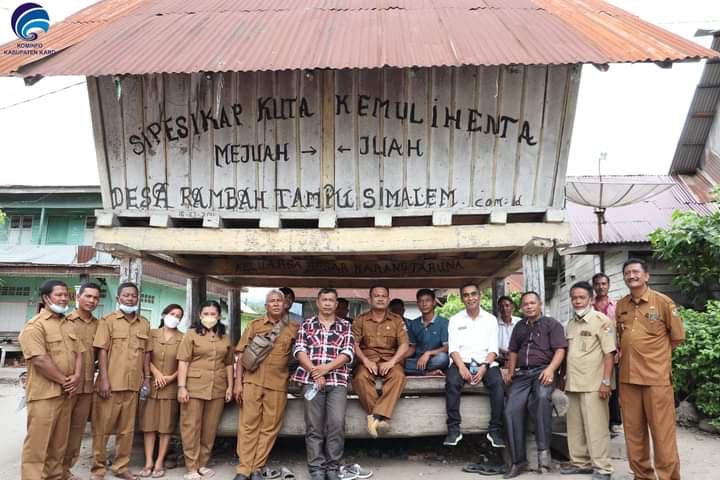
(605, 382)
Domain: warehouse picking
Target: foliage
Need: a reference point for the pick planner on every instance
(2, 217)
(696, 362)
(454, 304)
(692, 247)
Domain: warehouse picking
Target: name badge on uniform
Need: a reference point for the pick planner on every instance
(652, 315)
(464, 327)
(585, 333)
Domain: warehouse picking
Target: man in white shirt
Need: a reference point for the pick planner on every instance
(473, 343)
(506, 322)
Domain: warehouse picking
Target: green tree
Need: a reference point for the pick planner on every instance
(454, 304)
(691, 245)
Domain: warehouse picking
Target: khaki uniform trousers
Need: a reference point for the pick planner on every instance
(587, 428)
(259, 425)
(199, 420)
(363, 383)
(653, 407)
(48, 425)
(81, 405)
(114, 415)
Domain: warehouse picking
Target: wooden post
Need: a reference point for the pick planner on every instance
(234, 314)
(498, 290)
(534, 274)
(131, 270)
(195, 294)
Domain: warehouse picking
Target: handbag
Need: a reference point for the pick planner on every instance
(260, 346)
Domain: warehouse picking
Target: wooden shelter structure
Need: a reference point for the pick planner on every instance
(338, 143)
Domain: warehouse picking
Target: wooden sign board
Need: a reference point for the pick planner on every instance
(354, 142)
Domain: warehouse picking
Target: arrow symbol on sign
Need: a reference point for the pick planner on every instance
(342, 149)
(312, 151)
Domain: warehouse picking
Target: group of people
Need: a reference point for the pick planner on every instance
(192, 376)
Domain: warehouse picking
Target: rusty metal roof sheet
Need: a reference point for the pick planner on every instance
(183, 36)
(700, 117)
(633, 223)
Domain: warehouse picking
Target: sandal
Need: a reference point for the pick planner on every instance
(206, 472)
(484, 469)
(286, 474)
(192, 476)
(158, 473)
(269, 473)
(145, 472)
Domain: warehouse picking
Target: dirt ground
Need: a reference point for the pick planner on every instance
(389, 459)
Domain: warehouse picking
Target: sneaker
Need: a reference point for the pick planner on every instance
(351, 472)
(452, 439)
(616, 429)
(496, 439)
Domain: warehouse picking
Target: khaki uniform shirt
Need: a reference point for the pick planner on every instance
(589, 338)
(164, 358)
(273, 371)
(646, 329)
(126, 343)
(379, 341)
(85, 331)
(207, 358)
(48, 334)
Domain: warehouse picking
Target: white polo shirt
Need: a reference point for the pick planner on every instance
(473, 338)
(505, 331)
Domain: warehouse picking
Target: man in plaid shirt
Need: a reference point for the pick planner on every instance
(324, 348)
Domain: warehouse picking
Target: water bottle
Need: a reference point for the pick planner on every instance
(311, 392)
(474, 369)
(144, 392)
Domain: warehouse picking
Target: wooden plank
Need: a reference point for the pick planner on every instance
(368, 128)
(288, 170)
(177, 154)
(465, 89)
(526, 170)
(568, 122)
(195, 295)
(510, 104)
(266, 136)
(441, 124)
(131, 270)
(326, 172)
(555, 91)
(224, 95)
(534, 274)
(248, 173)
(483, 167)
(345, 144)
(419, 114)
(234, 300)
(394, 135)
(132, 115)
(101, 154)
(114, 141)
(202, 145)
(153, 116)
(341, 240)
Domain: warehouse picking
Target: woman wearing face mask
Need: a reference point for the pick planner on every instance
(160, 413)
(205, 384)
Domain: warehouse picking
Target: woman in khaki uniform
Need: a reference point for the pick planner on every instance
(205, 384)
(160, 413)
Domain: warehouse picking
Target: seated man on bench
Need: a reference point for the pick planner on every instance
(428, 339)
(381, 342)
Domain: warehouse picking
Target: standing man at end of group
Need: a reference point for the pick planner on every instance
(122, 346)
(86, 325)
(589, 366)
(537, 350)
(381, 342)
(55, 373)
(649, 328)
(324, 349)
(473, 345)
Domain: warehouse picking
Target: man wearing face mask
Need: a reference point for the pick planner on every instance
(86, 325)
(54, 357)
(589, 365)
(122, 347)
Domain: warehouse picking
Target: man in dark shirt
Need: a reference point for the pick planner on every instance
(537, 349)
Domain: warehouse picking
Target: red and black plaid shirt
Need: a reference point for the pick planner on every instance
(323, 345)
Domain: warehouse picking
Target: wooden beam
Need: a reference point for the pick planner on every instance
(452, 238)
(534, 274)
(131, 270)
(358, 282)
(195, 295)
(234, 314)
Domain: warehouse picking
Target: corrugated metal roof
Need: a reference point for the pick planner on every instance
(633, 223)
(182, 36)
(702, 112)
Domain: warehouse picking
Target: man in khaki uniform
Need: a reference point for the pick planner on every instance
(262, 393)
(589, 365)
(122, 345)
(649, 328)
(381, 344)
(85, 326)
(54, 357)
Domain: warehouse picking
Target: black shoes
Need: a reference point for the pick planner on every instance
(496, 439)
(572, 470)
(516, 470)
(452, 439)
(544, 461)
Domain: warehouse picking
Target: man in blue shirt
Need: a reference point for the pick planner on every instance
(428, 339)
